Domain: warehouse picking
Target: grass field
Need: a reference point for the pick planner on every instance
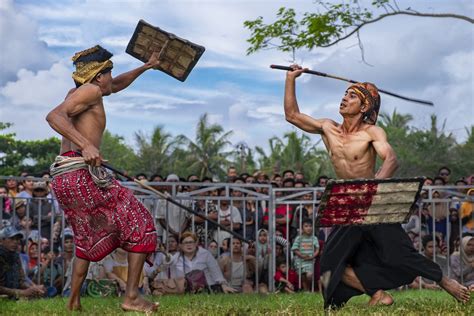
(406, 303)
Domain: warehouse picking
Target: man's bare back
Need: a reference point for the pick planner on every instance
(81, 120)
(90, 123)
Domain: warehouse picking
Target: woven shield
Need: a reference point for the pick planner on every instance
(368, 201)
(178, 55)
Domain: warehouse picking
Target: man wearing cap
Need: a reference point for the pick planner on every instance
(20, 212)
(12, 277)
(103, 214)
(363, 259)
(41, 208)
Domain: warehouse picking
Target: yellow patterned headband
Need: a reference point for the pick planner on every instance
(90, 62)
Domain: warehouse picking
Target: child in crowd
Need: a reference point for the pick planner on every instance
(287, 279)
(306, 249)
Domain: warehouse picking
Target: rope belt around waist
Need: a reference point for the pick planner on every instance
(64, 164)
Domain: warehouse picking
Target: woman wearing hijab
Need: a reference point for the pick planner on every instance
(462, 263)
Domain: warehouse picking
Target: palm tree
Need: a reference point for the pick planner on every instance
(154, 153)
(207, 151)
(396, 120)
(272, 162)
(298, 154)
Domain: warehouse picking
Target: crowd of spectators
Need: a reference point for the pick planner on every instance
(193, 255)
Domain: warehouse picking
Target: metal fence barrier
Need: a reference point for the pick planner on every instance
(279, 211)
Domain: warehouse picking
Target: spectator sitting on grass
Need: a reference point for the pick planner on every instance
(464, 263)
(238, 268)
(50, 270)
(12, 276)
(287, 279)
(429, 248)
(65, 259)
(158, 269)
(116, 268)
(213, 248)
(171, 245)
(192, 257)
(33, 257)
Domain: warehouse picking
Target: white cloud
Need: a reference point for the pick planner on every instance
(44, 88)
(20, 46)
(424, 58)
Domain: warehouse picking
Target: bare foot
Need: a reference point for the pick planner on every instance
(74, 304)
(381, 298)
(139, 304)
(458, 291)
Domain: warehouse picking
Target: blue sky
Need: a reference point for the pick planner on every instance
(420, 57)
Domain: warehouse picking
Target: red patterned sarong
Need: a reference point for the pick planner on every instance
(103, 219)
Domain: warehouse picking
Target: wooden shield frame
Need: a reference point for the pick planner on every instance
(179, 56)
(368, 201)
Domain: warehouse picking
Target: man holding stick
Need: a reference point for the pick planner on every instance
(363, 259)
(103, 214)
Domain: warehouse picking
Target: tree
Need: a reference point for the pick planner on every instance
(32, 156)
(207, 152)
(464, 157)
(154, 152)
(119, 154)
(420, 152)
(298, 154)
(271, 163)
(10, 158)
(333, 23)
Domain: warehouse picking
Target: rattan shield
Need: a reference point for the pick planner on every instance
(179, 56)
(368, 201)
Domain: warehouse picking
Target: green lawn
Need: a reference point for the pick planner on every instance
(406, 303)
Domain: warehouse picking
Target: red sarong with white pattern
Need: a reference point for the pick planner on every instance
(103, 219)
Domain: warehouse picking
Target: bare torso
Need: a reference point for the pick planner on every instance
(352, 154)
(90, 123)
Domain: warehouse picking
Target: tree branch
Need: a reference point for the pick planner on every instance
(382, 16)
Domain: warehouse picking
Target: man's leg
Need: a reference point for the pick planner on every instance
(379, 297)
(132, 300)
(350, 278)
(458, 291)
(79, 273)
(395, 250)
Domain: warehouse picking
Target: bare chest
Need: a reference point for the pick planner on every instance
(349, 147)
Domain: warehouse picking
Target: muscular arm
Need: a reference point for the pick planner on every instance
(124, 80)
(292, 111)
(385, 152)
(60, 117)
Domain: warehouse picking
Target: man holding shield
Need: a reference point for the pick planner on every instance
(103, 214)
(363, 259)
